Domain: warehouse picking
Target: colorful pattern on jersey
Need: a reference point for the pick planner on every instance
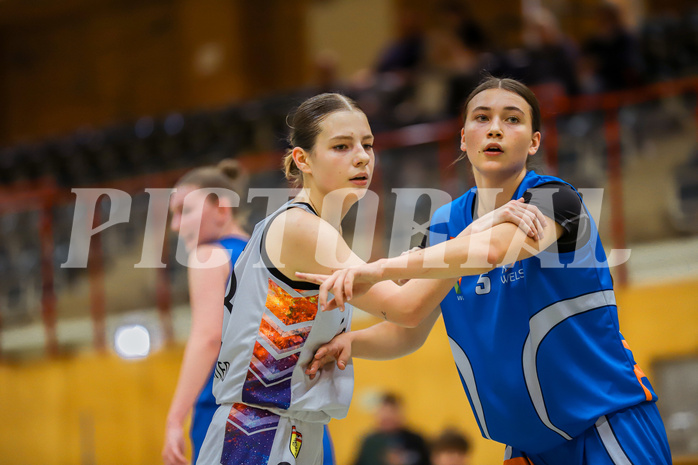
(537, 342)
(273, 327)
(249, 435)
(283, 330)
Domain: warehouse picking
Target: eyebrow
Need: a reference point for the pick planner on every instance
(346, 137)
(510, 108)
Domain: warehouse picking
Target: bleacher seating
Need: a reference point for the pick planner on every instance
(153, 144)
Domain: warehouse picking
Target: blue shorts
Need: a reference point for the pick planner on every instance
(201, 418)
(634, 436)
(327, 447)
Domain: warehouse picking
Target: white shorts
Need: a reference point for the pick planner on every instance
(240, 434)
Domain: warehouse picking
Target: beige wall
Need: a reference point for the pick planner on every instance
(95, 63)
(356, 30)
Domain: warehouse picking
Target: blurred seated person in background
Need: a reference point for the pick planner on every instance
(454, 42)
(386, 88)
(613, 53)
(326, 72)
(404, 53)
(458, 47)
(392, 443)
(451, 448)
(552, 56)
(468, 29)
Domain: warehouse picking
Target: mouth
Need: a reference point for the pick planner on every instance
(493, 149)
(361, 179)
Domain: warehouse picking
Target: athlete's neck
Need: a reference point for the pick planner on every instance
(232, 228)
(316, 200)
(495, 191)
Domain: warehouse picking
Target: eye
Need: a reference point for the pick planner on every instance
(341, 147)
(480, 118)
(513, 119)
(368, 146)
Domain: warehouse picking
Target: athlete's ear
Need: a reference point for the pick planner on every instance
(302, 158)
(225, 202)
(463, 148)
(535, 143)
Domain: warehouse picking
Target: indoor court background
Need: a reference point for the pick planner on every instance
(129, 94)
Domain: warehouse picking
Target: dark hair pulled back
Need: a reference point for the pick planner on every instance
(305, 124)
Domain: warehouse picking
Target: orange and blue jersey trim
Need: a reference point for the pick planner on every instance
(640, 375)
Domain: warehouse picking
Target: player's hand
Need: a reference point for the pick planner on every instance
(337, 350)
(527, 217)
(344, 284)
(173, 450)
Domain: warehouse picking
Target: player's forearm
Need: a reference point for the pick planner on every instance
(387, 341)
(408, 305)
(464, 255)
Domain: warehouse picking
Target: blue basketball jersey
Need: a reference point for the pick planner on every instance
(537, 343)
(206, 405)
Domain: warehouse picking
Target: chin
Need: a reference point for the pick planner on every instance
(497, 168)
(359, 193)
(190, 245)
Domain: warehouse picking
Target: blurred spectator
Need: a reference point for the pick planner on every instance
(405, 52)
(392, 443)
(386, 89)
(552, 56)
(455, 41)
(463, 23)
(452, 49)
(613, 55)
(326, 72)
(451, 448)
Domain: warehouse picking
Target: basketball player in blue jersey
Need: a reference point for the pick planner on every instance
(532, 321)
(204, 224)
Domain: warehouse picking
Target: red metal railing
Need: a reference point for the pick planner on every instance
(44, 196)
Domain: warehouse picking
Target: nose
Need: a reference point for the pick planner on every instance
(495, 128)
(363, 157)
(174, 225)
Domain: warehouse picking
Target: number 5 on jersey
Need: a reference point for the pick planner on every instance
(483, 285)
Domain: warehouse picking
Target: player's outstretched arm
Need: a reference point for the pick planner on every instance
(467, 254)
(384, 341)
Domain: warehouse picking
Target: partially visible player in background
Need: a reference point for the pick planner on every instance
(451, 447)
(204, 223)
(392, 442)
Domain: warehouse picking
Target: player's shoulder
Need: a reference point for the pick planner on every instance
(302, 228)
(563, 192)
(446, 213)
(234, 242)
(209, 259)
(535, 181)
(206, 250)
(295, 222)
